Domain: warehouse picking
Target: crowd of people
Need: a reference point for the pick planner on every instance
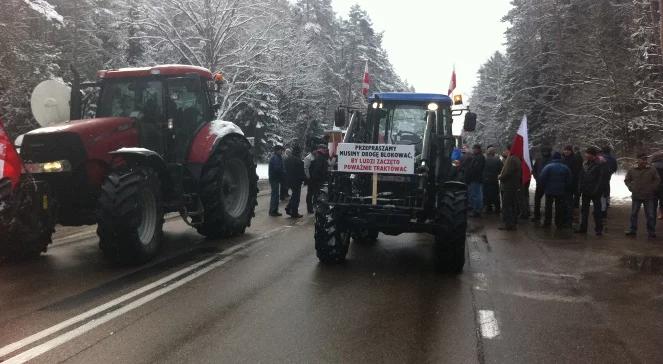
(568, 184)
(566, 181)
(288, 173)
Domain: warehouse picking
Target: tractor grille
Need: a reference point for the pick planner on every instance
(38, 148)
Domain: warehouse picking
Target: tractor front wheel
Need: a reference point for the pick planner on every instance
(130, 223)
(449, 247)
(332, 240)
(25, 220)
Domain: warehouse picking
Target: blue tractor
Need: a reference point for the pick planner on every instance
(365, 199)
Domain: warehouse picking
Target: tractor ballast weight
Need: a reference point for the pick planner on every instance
(428, 200)
(153, 148)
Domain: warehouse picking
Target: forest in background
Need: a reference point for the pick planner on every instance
(287, 65)
(585, 72)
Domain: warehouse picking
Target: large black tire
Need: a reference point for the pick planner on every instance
(331, 239)
(130, 221)
(26, 224)
(229, 189)
(449, 247)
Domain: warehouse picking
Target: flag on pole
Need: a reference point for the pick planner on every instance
(365, 81)
(452, 83)
(520, 148)
(10, 163)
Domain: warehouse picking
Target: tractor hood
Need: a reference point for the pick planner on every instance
(86, 128)
(96, 137)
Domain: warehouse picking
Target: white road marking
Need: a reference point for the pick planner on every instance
(49, 345)
(482, 281)
(61, 339)
(489, 327)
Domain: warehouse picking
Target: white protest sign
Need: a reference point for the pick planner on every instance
(376, 158)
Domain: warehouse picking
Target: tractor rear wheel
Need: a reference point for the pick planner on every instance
(229, 189)
(449, 247)
(130, 223)
(331, 239)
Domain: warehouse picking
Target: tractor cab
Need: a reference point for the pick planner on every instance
(169, 104)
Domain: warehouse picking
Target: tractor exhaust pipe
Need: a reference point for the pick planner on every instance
(75, 111)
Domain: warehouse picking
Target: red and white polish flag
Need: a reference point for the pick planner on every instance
(520, 148)
(10, 163)
(365, 83)
(452, 83)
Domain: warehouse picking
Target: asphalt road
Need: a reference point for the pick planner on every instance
(533, 296)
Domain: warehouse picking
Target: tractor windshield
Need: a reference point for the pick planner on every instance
(402, 124)
(123, 97)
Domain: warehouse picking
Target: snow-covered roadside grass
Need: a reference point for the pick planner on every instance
(262, 171)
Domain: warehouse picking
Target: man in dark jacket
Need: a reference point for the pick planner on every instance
(318, 171)
(570, 159)
(491, 185)
(539, 164)
(295, 175)
(643, 182)
(276, 174)
(555, 180)
(592, 185)
(510, 183)
(474, 180)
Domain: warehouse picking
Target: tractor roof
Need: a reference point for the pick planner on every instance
(167, 69)
(411, 97)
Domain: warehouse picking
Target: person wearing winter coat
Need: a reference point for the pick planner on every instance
(474, 180)
(643, 181)
(276, 178)
(295, 176)
(539, 164)
(592, 186)
(491, 184)
(555, 180)
(657, 162)
(510, 182)
(570, 159)
(318, 171)
(284, 186)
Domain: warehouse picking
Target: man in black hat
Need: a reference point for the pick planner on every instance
(643, 181)
(295, 175)
(592, 185)
(276, 174)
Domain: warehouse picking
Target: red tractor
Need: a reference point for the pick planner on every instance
(153, 148)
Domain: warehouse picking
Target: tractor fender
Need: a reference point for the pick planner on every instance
(145, 157)
(208, 137)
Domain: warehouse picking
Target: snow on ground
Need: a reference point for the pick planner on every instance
(262, 171)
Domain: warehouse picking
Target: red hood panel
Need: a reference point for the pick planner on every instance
(99, 136)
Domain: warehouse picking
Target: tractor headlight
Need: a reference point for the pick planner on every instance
(49, 167)
(432, 106)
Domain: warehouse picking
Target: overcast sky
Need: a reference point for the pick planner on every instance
(425, 38)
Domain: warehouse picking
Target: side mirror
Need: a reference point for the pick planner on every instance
(339, 118)
(470, 123)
